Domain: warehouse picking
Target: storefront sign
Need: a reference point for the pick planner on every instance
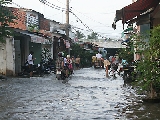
(67, 44)
(41, 40)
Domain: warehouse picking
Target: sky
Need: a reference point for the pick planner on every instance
(97, 15)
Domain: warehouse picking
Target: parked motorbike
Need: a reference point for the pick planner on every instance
(51, 65)
(38, 69)
(25, 70)
(46, 67)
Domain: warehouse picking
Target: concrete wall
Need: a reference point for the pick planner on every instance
(10, 57)
(7, 64)
(2, 59)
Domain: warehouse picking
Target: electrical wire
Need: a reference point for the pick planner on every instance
(92, 19)
(52, 6)
(62, 9)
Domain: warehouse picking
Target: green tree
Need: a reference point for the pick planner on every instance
(92, 36)
(86, 56)
(149, 65)
(127, 53)
(79, 34)
(6, 17)
(46, 54)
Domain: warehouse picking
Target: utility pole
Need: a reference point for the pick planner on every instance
(67, 22)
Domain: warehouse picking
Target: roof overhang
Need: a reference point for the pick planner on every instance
(156, 12)
(142, 19)
(135, 9)
(35, 38)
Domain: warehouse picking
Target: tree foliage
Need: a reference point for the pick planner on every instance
(149, 64)
(127, 53)
(6, 17)
(85, 55)
(93, 35)
(46, 54)
(79, 34)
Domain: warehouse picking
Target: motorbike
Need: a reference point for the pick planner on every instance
(25, 70)
(129, 74)
(46, 67)
(51, 65)
(113, 70)
(60, 74)
(38, 69)
(120, 70)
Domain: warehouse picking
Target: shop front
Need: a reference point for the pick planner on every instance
(26, 42)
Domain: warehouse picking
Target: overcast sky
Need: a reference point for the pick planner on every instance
(98, 15)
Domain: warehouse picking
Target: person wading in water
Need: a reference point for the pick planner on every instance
(77, 62)
(106, 64)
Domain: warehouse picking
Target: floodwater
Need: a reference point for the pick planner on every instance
(88, 95)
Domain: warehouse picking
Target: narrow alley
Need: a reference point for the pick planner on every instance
(88, 95)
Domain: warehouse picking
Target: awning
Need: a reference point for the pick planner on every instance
(135, 9)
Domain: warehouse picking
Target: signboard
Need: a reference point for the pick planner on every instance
(67, 44)
(41, 40)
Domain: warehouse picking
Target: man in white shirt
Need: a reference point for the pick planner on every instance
(99, 56)
(30, 62)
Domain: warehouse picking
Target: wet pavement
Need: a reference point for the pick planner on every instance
(88, 95)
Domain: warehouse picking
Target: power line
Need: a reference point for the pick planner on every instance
(93, 19)
(52, 6)
(62, 9)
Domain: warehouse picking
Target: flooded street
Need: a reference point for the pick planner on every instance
(88, 95)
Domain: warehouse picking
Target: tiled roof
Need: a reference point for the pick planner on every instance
(20, 22)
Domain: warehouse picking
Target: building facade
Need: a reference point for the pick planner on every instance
(31, 32)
